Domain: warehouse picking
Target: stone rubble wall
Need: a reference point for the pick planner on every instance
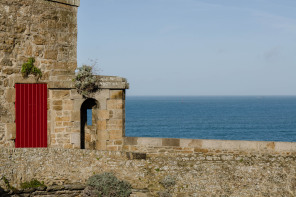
(196, 174)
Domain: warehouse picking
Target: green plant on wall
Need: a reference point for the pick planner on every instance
(29, 68)
(85, 81)
(8, 186)
(34, 183)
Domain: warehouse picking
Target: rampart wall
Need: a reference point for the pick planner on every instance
(200, 167)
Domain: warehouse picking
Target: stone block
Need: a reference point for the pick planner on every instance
(285, 146)
(116, 114)
(112, 148)
(10, 131)
(57, 102)
(87, 137)
(101, 145)
(115, 134)
(10, 95)
(60, 84)
(200, 150)
(125, 148)
(75, 94)
(115, 104)
(60, 94)
(67, 124)
(64, 118)
(103, 114)
(57, 108)
(102, 125)
(59, 130)
(114, 124)
(117, 142)
(20, 79)
(68, 146)
(75, 116)
(68, 105)
(136, 156)
(131, 140)
(51, 54)
(103, 135)
(39, 40)
(102, 97)
(150, 141)
(58, 124)
(191, 143)
(170, 142)
(116, 94)
(77, 104)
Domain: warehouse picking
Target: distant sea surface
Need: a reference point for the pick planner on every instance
(260, 118)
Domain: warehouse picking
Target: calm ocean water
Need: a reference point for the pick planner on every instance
(260, 118)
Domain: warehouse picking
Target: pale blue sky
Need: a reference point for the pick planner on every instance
(192, 47)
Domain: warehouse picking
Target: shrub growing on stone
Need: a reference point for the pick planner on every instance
(85, 81)
(107, 185)
(29, 68)
(34, 183)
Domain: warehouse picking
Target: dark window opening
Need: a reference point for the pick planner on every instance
(86, 118)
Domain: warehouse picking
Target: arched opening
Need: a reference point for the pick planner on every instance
(87, 123)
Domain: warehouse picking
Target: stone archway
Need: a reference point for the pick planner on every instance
(88, 121)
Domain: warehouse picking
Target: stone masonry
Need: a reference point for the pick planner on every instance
(47, 31)
(228, 170)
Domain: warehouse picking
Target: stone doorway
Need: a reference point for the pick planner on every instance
(88, 125)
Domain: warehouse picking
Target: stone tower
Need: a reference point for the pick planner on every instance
(47, 31)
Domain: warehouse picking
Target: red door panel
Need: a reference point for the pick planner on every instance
(31, 115)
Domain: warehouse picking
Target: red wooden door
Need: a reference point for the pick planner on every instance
(31, 115)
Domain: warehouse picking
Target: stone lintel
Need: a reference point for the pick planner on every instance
(112, 82)
(75, 3)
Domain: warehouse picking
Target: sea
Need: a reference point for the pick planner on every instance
(259, 118)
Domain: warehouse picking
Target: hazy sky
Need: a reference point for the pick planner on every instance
(192, 47)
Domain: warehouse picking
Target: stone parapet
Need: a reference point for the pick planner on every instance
(112, 82)
(198, 174)
(68, 2)
(153, 145)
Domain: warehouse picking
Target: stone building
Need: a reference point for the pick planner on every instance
(47, 31)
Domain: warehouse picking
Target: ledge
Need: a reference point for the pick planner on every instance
(112, 82)
(75, 3)
(202, 145)
(105, 82)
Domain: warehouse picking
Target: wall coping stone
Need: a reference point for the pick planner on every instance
(75, 3)
(112, 82)
(214, 145)
(105, 82)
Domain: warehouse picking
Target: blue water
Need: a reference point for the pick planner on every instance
(266, 118)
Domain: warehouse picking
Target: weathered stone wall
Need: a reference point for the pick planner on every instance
(107, 130)
(223, 172)
(45, 30)
(190, 146)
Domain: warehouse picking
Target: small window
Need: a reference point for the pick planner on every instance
(89, 117)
